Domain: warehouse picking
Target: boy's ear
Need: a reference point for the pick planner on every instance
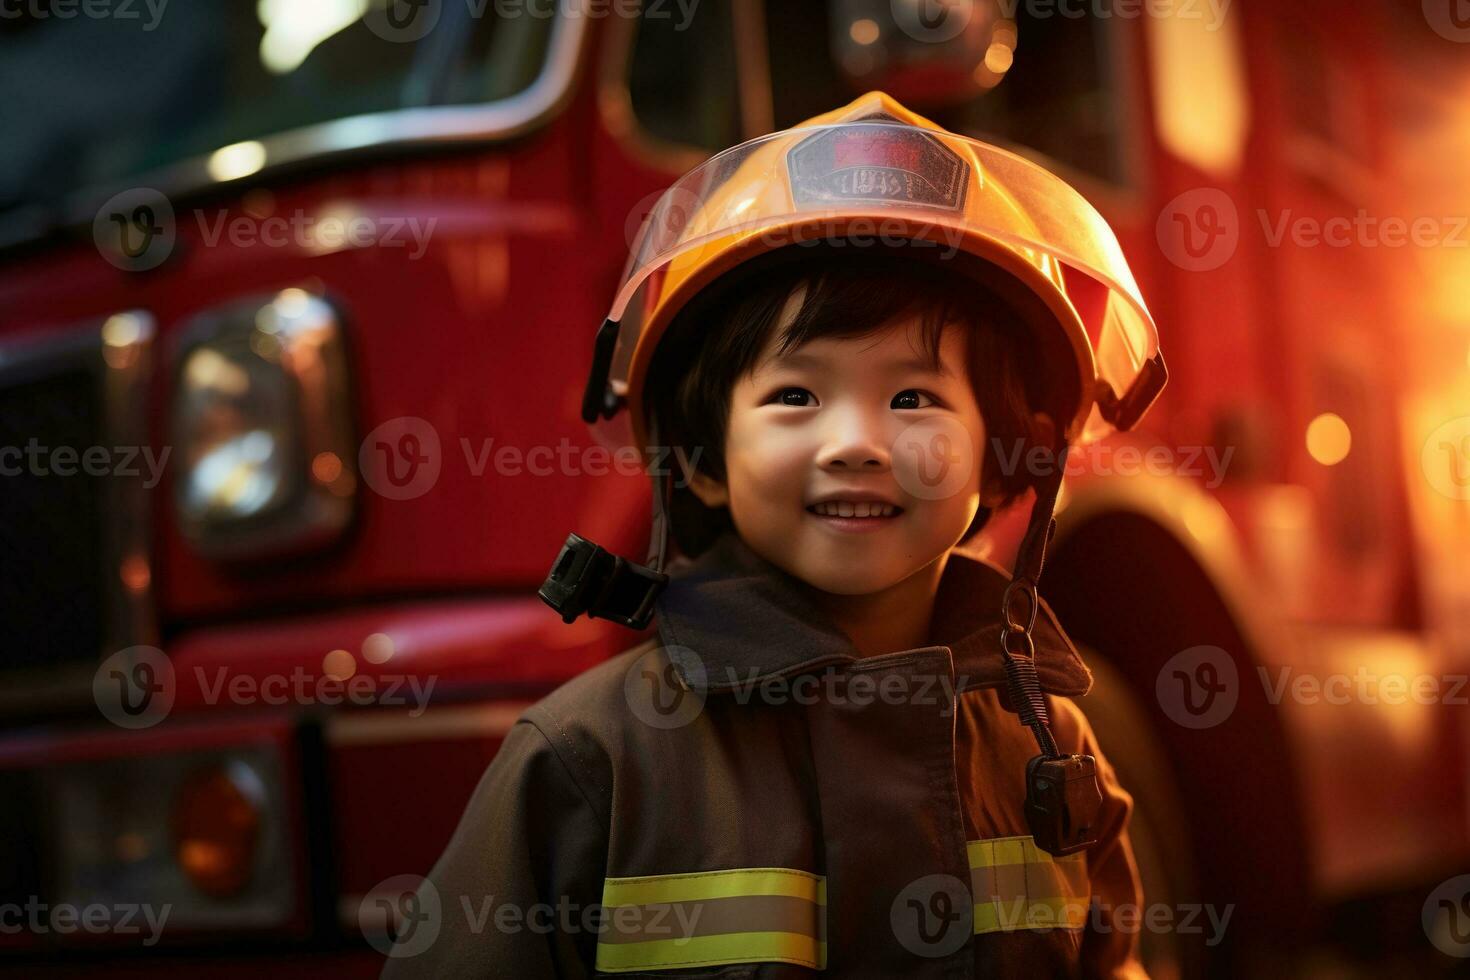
(711, 492)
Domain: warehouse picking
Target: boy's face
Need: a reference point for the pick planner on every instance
(853, 463)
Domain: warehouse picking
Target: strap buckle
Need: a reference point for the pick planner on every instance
(587, 578)
(1063, 802)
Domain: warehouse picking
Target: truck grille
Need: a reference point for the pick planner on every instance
(52, 589)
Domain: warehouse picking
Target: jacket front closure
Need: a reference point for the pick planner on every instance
(895, 865)
(898, 901)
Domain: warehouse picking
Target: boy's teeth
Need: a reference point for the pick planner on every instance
(845, 508)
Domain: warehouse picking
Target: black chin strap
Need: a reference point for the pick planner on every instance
(663, 493)
(1017, 647)
(588, 579)
(1063, 800)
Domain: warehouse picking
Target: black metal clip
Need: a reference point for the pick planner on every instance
(587, 578)
(1062, 802)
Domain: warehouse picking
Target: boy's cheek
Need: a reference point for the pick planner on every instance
(935, 459)
(770, 460)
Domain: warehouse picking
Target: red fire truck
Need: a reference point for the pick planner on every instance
(296, 305)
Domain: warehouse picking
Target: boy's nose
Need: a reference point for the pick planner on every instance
(854, 445)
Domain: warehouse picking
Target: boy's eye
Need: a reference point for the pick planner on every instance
(795, 396)
(912, 398)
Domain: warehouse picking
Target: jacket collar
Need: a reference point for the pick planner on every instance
(730, 618)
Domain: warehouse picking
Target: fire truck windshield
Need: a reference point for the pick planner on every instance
(102, 91)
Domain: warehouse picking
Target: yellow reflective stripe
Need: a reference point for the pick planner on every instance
(739, 947)
(1001, 850)
(713, 916)
(1017, 885)
(1044, 913)
(741, 915)
(1014, 850)
(694, 886)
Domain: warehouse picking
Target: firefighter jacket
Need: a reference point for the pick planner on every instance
(745, 797)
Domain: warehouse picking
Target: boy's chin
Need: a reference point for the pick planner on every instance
(851, 579)
(861, 568)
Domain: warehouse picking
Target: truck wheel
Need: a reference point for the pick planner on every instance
(1158, 827)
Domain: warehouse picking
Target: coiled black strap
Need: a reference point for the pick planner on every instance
(1022, 683)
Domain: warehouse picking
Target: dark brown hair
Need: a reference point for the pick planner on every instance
(717, 338)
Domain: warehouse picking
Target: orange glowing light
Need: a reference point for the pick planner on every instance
(326, 467)
(339, 665)
(134, 573)
(1329, 439)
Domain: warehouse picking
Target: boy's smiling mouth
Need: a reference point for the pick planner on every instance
(855, 511)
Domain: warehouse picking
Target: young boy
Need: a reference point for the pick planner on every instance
(849, 748)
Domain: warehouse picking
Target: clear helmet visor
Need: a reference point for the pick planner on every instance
(879, 181)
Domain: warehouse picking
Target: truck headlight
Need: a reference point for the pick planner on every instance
(206, 835)
(262, 426)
